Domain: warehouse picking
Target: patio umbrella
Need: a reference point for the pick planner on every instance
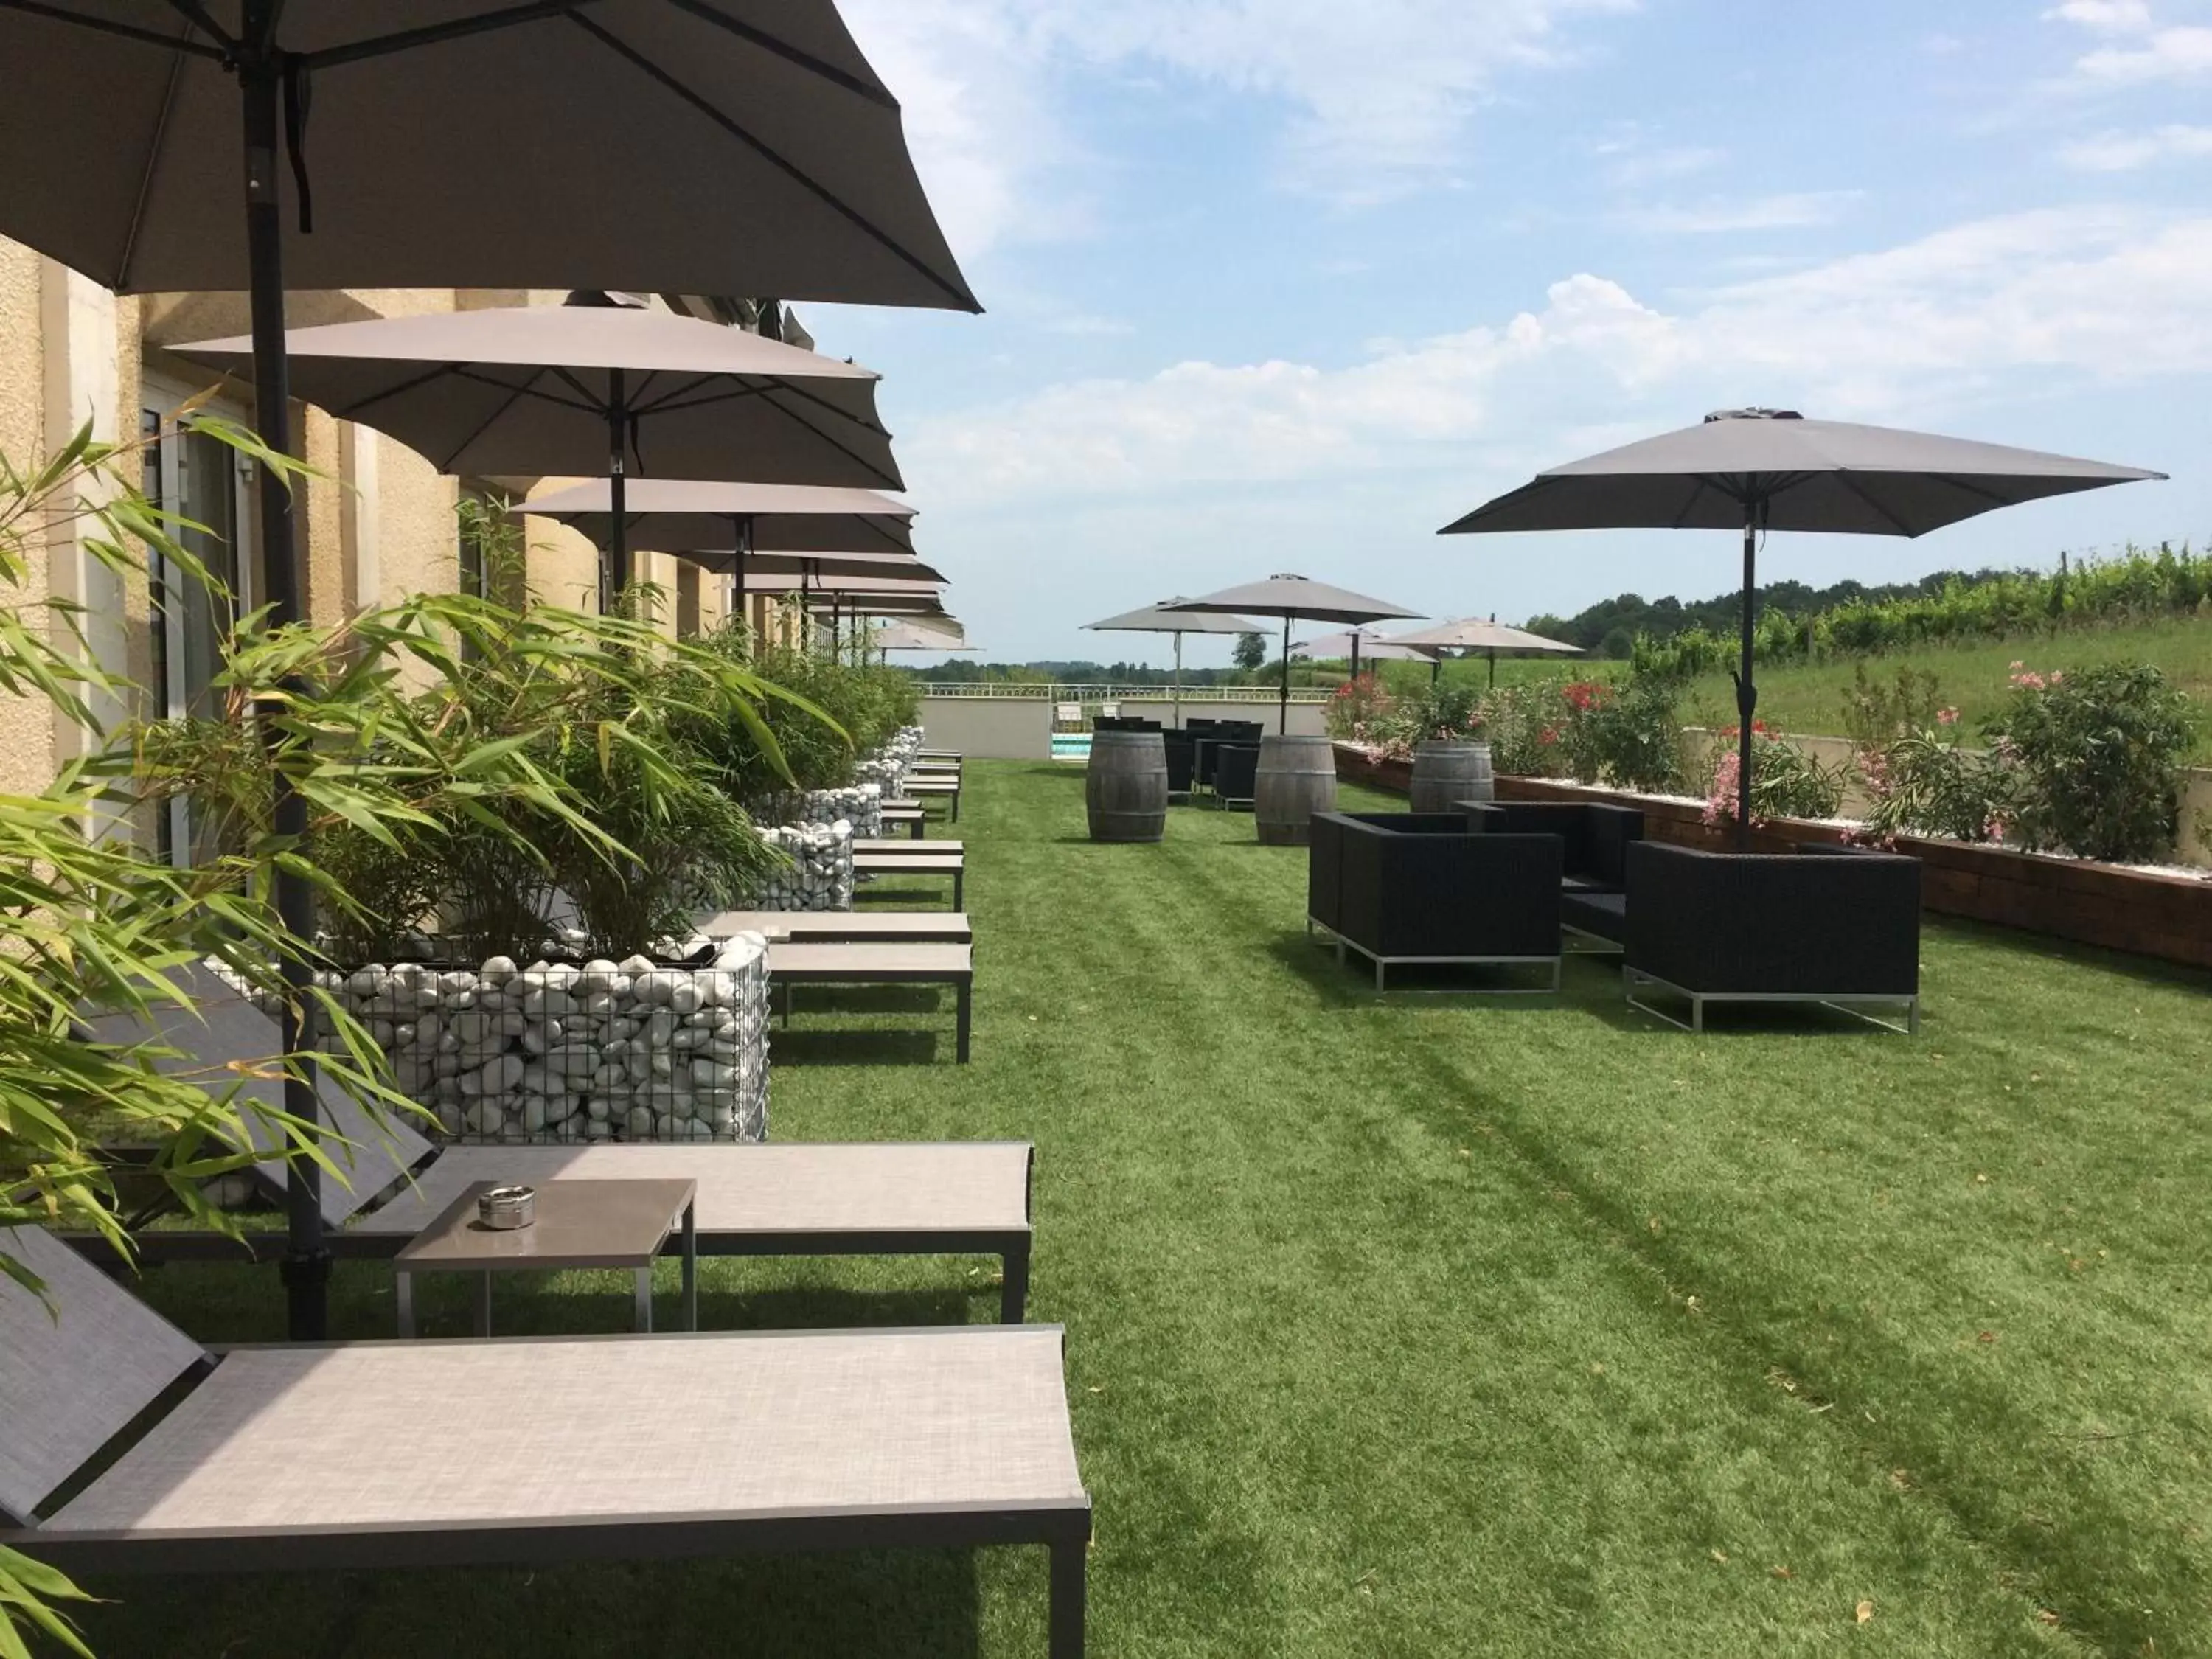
(589, 388)
(666, 145)
(682, 516)
(1760, 470)
(792, 567)
(1159, 619)
(1478, 633)
(1354, 643)
(913, 636)
(1290, 596)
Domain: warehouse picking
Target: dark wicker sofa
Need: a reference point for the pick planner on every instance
(1595, 838)
(1842, 929)
(1408, 887)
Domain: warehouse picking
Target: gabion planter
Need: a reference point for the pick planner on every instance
(821, 873)
(861, 806)
(634, 1050)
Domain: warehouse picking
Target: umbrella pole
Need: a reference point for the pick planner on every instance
(1283, 708)
(1493, 668)
(306, 1266)
(615, 576)
(1436, 669)
(1355, 654)
(1178, 716)
(1747, 693)
(741, 530)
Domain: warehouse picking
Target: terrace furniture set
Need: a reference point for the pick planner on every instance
(1503, 883)
(126, 1445)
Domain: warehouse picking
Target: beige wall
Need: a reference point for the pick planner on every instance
(376, 526)
(26, 724)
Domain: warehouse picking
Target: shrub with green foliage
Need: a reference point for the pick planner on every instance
(1786, 782)
(1636, 734)
(2136, 587)
(2099, 755)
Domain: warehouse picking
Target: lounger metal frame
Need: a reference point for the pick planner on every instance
(1844, 1002)
(1383, 964)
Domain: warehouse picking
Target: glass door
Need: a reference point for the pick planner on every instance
(201, 481)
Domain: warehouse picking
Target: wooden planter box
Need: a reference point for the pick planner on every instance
(1358, 766)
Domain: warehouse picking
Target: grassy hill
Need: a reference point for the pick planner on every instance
(1808, 697)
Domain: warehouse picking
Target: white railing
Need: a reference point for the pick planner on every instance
(1091, 695)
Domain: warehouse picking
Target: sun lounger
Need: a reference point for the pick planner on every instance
(950, 1198)
(382, 1455)
(914, 862)
(845, 926)
(924, 788)
(804, 963)
(934, 849)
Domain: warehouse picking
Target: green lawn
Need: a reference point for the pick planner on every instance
(1444, 1325)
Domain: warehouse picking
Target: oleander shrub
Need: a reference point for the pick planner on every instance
(1636, 732)
(2099, 755)
(1786, 782)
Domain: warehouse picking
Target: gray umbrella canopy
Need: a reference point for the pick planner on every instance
(543, 390)
(915, 636)
(679, 515)
(794, 570)
(744, 147)
(1478, 634)
(1358, 642)
(1795, 474)
(1758, 469)
(1290, 598)
(1162, 618)
(1472, 634)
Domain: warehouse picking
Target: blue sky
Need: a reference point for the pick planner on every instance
(1286, 284)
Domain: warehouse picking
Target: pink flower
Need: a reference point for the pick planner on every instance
(1946, 717)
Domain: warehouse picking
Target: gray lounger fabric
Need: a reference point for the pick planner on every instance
(221, 1031)
(369, 1438)
(778, 1187)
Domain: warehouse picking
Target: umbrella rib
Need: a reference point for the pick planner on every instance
(484, 425)
(153, 164)
(790, 169)
(668, 401)
(435, 35)
(1851, 484)
(123, 31)
(888, 481)
(196, 14)
(1696, 489)
(788, 52)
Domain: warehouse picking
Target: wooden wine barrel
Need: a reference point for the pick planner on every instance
(1297, 779)
(1126, 787)
(1446, 772)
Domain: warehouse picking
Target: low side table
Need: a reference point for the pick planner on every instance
(580, 1224)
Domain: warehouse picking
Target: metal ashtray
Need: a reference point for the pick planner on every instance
(505, 1208)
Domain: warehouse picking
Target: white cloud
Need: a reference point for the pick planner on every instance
(2106, 16)
(2171, 54)
(1721, 214)
(1378, 97)
(1639, 167)
(2121, 152)
(1380, 93)
(2033, 300)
